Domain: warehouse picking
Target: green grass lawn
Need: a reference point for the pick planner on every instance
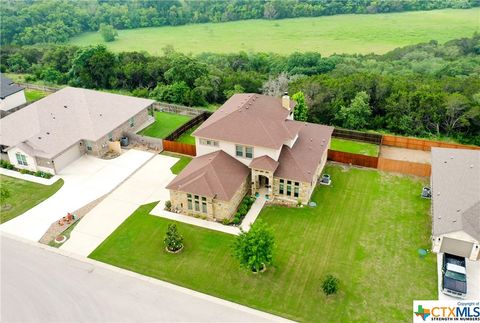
(377, 33)
(355, 147)
(179, 165)
(366, 230)
(187, 137)
(164, 124)
(24, 195)
(34, 95)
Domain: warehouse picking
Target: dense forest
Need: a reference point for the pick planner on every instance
(425, 90)
(54, 21)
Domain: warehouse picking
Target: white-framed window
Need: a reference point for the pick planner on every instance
(208, 142)
(88, 145)
(132, 121)
(244, 151)
(110, 136)
(204, 205)
(190, 204)
(21, 159)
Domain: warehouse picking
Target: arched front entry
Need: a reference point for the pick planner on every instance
(263, 181)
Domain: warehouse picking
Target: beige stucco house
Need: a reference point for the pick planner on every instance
(455, 183)
(52, 132)
(251, 145)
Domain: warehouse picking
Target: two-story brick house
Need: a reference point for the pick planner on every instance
(251, 145)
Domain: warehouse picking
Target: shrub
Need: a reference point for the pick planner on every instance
(243, 209)
(23, 171)
(173, 240)
(254, 249)
(330, 285)
(168, 205)
(108, 32)
(225, 221)
(236, 220)
(299, 202)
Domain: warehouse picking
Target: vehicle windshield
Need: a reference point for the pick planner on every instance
(456, 276)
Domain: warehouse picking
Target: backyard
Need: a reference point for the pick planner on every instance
(34, 95)
(366, 230)
(164, 124)
(24, 195)
(354, 147)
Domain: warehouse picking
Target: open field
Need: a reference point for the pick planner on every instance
(366, 231)
(377, 33)
(24, 195)
(354, 147)
(164, 124)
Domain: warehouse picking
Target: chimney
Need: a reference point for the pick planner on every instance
(286, 101)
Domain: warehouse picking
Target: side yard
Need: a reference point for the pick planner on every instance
(179, 165)
(164, 124)
(24, 195)
(366, 230)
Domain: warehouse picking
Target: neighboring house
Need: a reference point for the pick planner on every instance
(455, 185)
(11, 95)
(61, 127)
(251, 145)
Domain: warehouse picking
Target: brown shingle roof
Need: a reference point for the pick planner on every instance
(301, 161)
(56, 122)
(456, 191)
(264, 163)
(250, 119)
(215, 175)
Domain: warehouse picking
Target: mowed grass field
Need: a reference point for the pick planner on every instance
(363, 34)
(24, 195)
(366, 230)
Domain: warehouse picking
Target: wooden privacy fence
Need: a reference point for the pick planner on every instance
(178, 109)
(404, 167)
(354, 159)
(179, 147)
(373, 138)
(188, 125)
(39, 87)
(420, 144)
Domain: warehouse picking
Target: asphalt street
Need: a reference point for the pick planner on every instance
(41, 285)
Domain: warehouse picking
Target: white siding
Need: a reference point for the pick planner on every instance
(13, 101)
(229, 148)
(31, 162)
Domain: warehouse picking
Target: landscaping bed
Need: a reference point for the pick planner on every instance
(365, 231)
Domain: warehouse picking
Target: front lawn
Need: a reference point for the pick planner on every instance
(366, 230)
(354, 147)
(24, 195)
(165, 123)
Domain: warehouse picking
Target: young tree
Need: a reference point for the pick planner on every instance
(108, 32)
(300, 112)
(355, 116)
(173, 240)
(330, 285)
(4, 195)
(254, 249)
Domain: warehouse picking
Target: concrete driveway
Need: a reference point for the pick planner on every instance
(86, 179)
(473, 280)
(144, 186)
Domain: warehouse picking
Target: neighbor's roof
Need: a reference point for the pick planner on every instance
(456, 191)
(250, 119)
(301, 161)
(7, 87)
(215, 175)
(51, 125)
(265, 163)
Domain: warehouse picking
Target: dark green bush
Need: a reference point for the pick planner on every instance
(330, 285)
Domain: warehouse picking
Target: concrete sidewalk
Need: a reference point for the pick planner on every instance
(146, 185)
(253, 213)
(85, 180)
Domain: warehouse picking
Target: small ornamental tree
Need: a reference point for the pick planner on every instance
(330, 285)
(108, 32)
(300, 113)
(4, 195)
(254, 249)
(173, 240)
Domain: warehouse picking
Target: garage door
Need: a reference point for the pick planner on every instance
(457, 247)
(67, 157)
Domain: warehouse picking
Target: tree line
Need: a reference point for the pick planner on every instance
(54, 21)
(428, 89)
